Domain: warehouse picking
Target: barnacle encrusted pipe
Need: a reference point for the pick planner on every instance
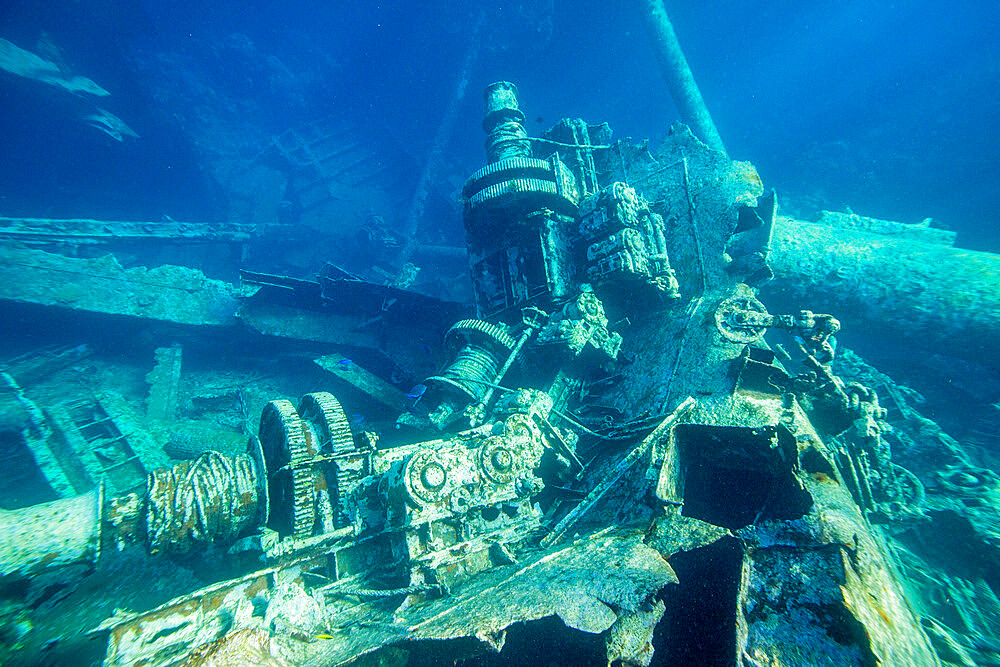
(48, 535)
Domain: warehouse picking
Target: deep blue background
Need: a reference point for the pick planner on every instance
(889, 108)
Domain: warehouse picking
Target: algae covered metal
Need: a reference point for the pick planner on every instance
(617, 450)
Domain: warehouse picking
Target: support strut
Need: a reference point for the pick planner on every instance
(677, 72)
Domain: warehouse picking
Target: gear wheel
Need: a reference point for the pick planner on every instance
(332, 436)
(522, 167)
(469, 329)
(283, 439)
(324, 412)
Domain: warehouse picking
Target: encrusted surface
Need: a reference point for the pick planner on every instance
(168, 293)
(572, 479)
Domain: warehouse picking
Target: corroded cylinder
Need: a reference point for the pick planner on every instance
(501, 102)
(504, 123)
(928, 296)
(215, 497)
(48, 535)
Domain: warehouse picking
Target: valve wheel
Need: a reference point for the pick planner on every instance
(737, 319)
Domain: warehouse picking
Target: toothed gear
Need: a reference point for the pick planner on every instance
(273, 420)
(325, 413)
(522, 166)
(493, 332)
(523, 181)
(282, 436)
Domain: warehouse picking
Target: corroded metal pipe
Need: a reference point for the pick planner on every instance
(213, 498)
(54, 534)
(926, 295)
(677, 72)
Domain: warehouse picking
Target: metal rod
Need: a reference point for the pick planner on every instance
(677, 72)
(411, 224)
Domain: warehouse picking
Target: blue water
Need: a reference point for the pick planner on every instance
(886, 108)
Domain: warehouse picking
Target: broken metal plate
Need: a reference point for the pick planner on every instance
(586, 583)
(364, 380)
(589, 584)
(165, 635)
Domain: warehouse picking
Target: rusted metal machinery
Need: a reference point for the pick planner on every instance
(310, 481)
(215, 498)
(674, 66)
(524, 239)
(612, 405)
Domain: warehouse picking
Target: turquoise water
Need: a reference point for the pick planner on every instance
(151, 152)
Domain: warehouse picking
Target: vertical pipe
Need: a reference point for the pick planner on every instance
(411, 223)
(677, 72)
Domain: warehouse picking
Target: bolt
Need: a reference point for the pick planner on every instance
(433, 476)
(502, 460)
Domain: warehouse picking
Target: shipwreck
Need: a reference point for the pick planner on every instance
(634, 439)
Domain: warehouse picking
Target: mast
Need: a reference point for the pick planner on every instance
(677, 72)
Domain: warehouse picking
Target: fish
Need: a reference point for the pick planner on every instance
(30, 65)
(416, 392)
(345, 363)
(110, 124)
